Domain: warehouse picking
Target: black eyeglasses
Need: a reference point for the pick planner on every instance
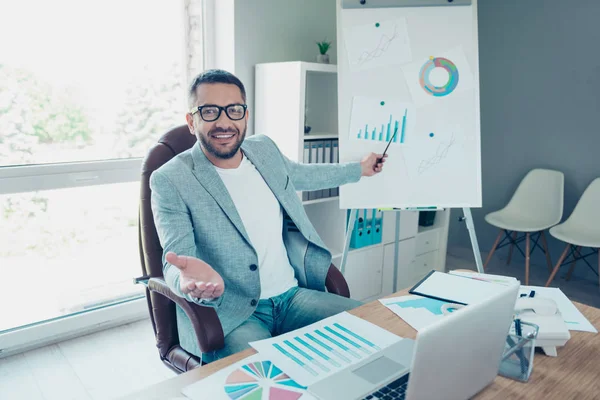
(211, 112)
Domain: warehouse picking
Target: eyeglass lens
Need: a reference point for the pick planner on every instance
(212, 113)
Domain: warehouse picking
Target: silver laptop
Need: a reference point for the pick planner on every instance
(454, 358)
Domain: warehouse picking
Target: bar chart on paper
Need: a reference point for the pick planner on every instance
(377, 120)
(321, 349)
(386, 132)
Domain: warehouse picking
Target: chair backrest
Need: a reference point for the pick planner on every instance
(585, 215)
(162, 310)
(540, 194)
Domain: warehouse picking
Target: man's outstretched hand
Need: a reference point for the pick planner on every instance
(372, 164)
(197, 278)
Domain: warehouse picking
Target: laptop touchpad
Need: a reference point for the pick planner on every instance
(378, 369)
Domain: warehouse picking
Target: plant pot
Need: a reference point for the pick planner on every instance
(323, 58)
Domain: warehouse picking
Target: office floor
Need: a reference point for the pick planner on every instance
(109, 364)
(100, 366)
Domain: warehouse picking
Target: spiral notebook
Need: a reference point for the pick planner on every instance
(456, 288)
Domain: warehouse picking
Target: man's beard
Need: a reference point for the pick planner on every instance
(216, 150)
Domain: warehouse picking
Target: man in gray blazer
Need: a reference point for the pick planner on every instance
(234, 231)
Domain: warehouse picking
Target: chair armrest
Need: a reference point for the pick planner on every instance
(205, 321)
(336, 283)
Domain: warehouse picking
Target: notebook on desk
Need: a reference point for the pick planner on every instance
(456, 288)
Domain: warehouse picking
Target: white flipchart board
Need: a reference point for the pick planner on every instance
(411, 65)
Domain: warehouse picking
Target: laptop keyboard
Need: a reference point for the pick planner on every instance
(394, 390)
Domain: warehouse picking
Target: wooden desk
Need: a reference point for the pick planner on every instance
(574, 374)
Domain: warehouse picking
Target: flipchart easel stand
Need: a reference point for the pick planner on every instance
(467, 217)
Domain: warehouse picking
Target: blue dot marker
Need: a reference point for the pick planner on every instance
(431, 134)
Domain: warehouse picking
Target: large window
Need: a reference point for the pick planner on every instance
(86, 87)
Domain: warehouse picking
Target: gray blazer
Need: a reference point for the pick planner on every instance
(195, 216)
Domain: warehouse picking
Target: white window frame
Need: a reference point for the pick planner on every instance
(39, 177)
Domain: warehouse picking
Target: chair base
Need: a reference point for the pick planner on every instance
(514, 240)
(572, 254)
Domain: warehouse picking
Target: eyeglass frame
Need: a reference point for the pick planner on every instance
(221, 109)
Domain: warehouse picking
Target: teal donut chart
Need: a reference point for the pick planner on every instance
(429, 66)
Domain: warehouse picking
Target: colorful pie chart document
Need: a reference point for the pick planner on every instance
(321, 349)
(253, 378)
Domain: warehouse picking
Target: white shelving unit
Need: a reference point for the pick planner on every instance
(286, 95)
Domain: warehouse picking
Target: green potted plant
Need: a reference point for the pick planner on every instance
(324, 46)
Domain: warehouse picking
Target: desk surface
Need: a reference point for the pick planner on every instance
(574, 374)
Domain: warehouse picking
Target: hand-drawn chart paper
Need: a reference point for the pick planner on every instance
(439, 76)
(378, 44)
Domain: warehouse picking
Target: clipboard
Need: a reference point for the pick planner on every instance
(455, 289)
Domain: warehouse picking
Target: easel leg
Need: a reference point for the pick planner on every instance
(349, 229)
(468, 217)
(395, 283)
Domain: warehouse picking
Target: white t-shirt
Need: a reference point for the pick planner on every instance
(262, 217)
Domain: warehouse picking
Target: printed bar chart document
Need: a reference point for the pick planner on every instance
(321, 349)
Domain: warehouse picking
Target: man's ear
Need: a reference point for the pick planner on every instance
(190, 122)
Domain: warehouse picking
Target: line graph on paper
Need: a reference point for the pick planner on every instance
(382, 47)
(440, 154)
(378, 44)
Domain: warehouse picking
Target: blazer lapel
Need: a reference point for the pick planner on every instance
(205, 172)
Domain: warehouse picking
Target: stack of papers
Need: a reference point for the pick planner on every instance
(574, 319)
(453, 288)
(287, 364)
(420, 311)
(502, 280)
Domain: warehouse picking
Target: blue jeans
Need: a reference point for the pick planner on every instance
(291, 310)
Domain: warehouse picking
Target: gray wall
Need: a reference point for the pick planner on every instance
(280, 30)
(540, 105)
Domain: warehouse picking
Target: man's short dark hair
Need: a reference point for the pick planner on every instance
(214, 76)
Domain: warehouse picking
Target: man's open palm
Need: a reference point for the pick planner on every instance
(197, 278)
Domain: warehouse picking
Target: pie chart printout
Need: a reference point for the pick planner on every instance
(262, 380)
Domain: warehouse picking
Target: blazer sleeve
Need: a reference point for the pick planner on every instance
(175, 231)
(319, 176)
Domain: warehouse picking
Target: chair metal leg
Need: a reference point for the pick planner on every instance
(572, 267)
(558, 264)
(527, 251)
(493, 248)
(512, 244)
(548, 259)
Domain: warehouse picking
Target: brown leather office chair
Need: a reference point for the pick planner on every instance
(161, 300)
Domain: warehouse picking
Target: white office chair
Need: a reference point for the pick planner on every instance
(536, 205)
(581, 229)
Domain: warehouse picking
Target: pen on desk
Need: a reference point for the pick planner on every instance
(522, 356)
(518, 327)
